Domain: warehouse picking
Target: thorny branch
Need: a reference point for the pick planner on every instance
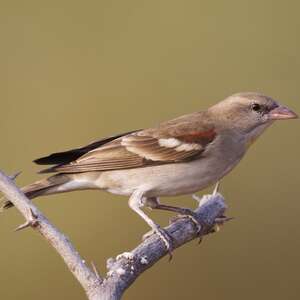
(125, 268)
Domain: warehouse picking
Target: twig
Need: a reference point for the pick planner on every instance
(125, 268)
(58, 241)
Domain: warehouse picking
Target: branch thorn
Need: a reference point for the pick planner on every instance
(31, 222)
(14, 176)
(96, 271)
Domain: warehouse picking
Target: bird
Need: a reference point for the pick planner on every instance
(178, 157)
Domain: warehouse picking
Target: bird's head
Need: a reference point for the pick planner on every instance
(250, 113)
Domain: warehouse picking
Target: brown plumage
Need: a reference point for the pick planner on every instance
(138, 149)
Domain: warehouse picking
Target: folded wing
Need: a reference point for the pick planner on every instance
(172, 143)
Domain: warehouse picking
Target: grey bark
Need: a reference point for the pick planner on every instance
(127, 267)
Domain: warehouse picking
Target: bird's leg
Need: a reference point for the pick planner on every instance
(185, 212)
(136, 201)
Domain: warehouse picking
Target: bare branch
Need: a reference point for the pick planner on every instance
(125, 268)
(59, 241)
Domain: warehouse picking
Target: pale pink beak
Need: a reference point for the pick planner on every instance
(282, 113)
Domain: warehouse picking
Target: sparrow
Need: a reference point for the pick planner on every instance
(178, 157)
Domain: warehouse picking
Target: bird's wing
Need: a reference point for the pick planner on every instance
(66, 157)
(172, 142)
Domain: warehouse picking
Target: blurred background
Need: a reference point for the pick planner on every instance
(73, 71)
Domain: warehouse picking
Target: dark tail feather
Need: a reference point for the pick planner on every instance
(39, 188)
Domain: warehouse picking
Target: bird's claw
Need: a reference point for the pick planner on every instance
(188, 213)
(165, 238)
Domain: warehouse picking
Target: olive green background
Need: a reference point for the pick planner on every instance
(75, 71)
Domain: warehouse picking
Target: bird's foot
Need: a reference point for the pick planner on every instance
(164, 236)
(188, 213)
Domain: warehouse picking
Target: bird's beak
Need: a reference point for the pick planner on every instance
(282, 113)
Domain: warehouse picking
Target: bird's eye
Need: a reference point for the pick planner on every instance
(256, 107)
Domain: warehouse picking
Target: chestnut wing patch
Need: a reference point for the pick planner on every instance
(201, 137)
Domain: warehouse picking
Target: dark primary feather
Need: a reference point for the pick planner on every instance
(66, 157)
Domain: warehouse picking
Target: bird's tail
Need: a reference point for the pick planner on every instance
(42, 187)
